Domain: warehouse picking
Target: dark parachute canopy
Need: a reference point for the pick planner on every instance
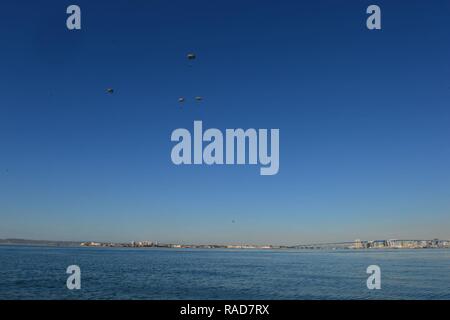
(181, 99)
(110, 90)
(191, 56)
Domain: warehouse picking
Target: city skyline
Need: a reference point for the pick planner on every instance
(356, 244)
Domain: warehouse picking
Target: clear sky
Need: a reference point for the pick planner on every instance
(364, 119)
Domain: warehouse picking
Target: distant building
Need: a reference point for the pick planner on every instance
(358, 244)
(377, 244)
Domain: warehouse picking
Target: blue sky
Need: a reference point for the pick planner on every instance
(363, 116)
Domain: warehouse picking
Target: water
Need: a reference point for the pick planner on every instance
(39, 273)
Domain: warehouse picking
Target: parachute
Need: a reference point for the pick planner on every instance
(181, 99)
(110, 90)
(198, 98)
(191, 56)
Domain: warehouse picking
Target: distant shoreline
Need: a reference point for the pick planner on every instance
(357, 245)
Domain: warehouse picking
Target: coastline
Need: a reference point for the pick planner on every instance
(368, 245)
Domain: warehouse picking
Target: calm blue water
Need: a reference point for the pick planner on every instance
(39, 273)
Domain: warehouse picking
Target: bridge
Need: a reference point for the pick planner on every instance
(391, 243)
